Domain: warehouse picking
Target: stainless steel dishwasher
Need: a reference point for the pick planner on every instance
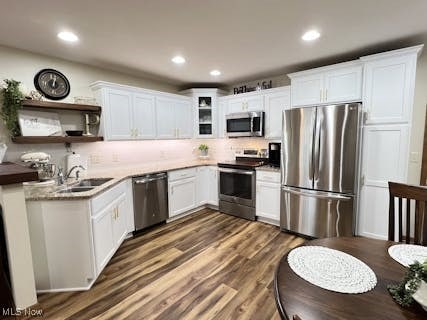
(150, 199)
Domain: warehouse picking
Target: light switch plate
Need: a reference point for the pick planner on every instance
(415, 157)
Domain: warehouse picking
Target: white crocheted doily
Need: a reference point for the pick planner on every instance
(407, 254)
(332, 269)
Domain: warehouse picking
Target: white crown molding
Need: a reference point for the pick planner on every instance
(399, 52)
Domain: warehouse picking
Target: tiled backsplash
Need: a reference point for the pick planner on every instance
(108, 155)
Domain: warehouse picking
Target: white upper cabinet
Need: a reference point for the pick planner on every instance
(222, 110)
(275, 104)
(183, 119)
(174, 118)
(246, 103)
(343, 85)
(337, 83)
(205, 111)
(144, 116)
(165, 117)
(118, 122)
(131, 113)
(306, 90)
(389, 86)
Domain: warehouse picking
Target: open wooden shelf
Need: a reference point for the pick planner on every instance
(55, 139)
(60, 105)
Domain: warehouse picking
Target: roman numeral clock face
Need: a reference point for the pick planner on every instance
(52, 84)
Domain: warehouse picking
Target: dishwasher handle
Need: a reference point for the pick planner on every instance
(148, 179)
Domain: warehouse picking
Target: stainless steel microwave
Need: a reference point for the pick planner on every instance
(245, 124)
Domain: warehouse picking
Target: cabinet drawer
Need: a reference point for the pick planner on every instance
(104, 199)
(182, 174)
(268, 176)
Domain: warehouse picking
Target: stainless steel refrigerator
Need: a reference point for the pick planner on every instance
(319, 166)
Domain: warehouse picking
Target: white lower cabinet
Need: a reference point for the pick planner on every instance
(73, 240)
(192, 188)
(182, 196)
(213, 186)
(102, 226)
(385, 158)
(268, 196)
(202, 185)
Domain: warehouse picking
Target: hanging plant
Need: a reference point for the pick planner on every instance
(12, 99)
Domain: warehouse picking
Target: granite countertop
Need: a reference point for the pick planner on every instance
(118, 175)
(268, 168)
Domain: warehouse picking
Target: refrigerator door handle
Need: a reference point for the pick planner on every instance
(317, 142)
(316, 194)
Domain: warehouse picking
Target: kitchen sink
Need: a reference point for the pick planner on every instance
(93, 182)
(76, 189)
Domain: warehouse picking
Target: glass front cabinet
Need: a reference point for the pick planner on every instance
(205, 106)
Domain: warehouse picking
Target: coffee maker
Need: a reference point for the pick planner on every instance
(274, 154)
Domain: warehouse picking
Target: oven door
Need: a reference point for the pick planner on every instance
(237, 186)
(245, 124)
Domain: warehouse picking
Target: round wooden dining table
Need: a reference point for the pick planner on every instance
(297, 297)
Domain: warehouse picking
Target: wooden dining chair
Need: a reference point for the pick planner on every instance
(411, 194)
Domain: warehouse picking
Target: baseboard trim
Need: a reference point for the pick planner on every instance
(269, 221)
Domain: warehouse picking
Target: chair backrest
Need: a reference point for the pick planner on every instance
(418, 195)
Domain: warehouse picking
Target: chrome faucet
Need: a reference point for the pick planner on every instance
(77, 173)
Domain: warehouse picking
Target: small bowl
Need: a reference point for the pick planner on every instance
(74, 133)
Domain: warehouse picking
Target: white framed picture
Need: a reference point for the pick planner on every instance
(39, 123)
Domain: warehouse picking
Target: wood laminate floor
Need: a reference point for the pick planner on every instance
(205, 266)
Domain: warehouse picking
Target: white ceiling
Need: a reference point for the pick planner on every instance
(245, 39)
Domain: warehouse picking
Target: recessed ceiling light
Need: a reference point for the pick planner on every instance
(68, 36)
(215, 73)
(178, 60)
(311, 35)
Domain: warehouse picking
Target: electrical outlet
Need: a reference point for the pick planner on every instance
(162, 154)
(115, 157)
(95, 159)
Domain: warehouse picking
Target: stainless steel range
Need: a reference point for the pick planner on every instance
(237, 186)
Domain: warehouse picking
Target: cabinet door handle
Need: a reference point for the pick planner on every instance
(326, 94)
(321, 95)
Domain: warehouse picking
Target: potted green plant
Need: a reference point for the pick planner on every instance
(203, 150)
(412, 287)
(12, 99)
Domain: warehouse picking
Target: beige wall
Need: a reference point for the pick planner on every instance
(418, 118)
(277, 81)
(23, 65)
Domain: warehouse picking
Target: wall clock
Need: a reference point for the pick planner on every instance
(52, 84)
